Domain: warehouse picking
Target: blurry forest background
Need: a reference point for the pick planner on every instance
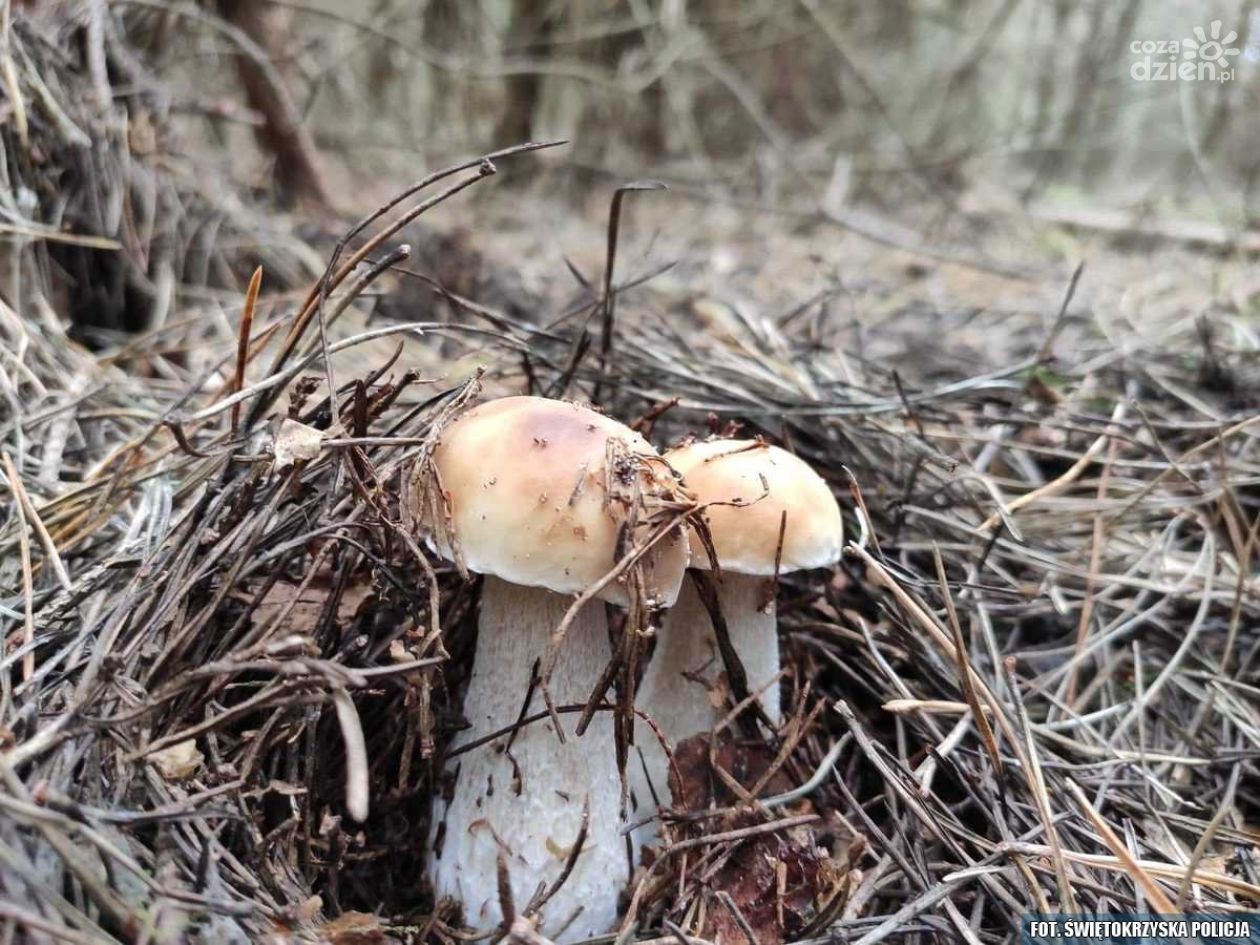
(955, 107)
(1011, 136)
(997, 285)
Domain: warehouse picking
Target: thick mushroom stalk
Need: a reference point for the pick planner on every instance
(685, 671)
(538, 496)
(767, 511)
(522, 795)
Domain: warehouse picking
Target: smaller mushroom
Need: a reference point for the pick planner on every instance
(751, 491)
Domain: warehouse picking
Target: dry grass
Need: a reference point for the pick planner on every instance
(1031, 684)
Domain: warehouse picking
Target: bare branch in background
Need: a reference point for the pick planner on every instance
(282, 133)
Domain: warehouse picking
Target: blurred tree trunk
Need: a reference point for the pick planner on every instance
(644, 118)
(532, 24)
(441, 29)
(1044, 136)
(1223, 112)
(282, 134)
(1085, 72)
(961, 90)
(1096, 128)
(894, 23)
(1104, 45)
(1047, 75)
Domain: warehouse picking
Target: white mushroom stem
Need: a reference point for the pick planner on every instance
(527, 801)
(680, 688)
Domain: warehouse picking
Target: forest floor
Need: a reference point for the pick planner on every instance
(1030, 685)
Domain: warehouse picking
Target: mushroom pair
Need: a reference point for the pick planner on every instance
(545, 499)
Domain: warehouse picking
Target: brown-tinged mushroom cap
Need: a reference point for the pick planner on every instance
(525, 486)
(766, 482)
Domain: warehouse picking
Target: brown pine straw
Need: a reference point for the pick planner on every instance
(1031, 683)
(1162, 904)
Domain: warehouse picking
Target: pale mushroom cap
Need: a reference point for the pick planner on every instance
(524, 479)
(772, 481)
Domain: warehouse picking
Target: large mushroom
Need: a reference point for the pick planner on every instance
(751, 491)
(536, 495)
